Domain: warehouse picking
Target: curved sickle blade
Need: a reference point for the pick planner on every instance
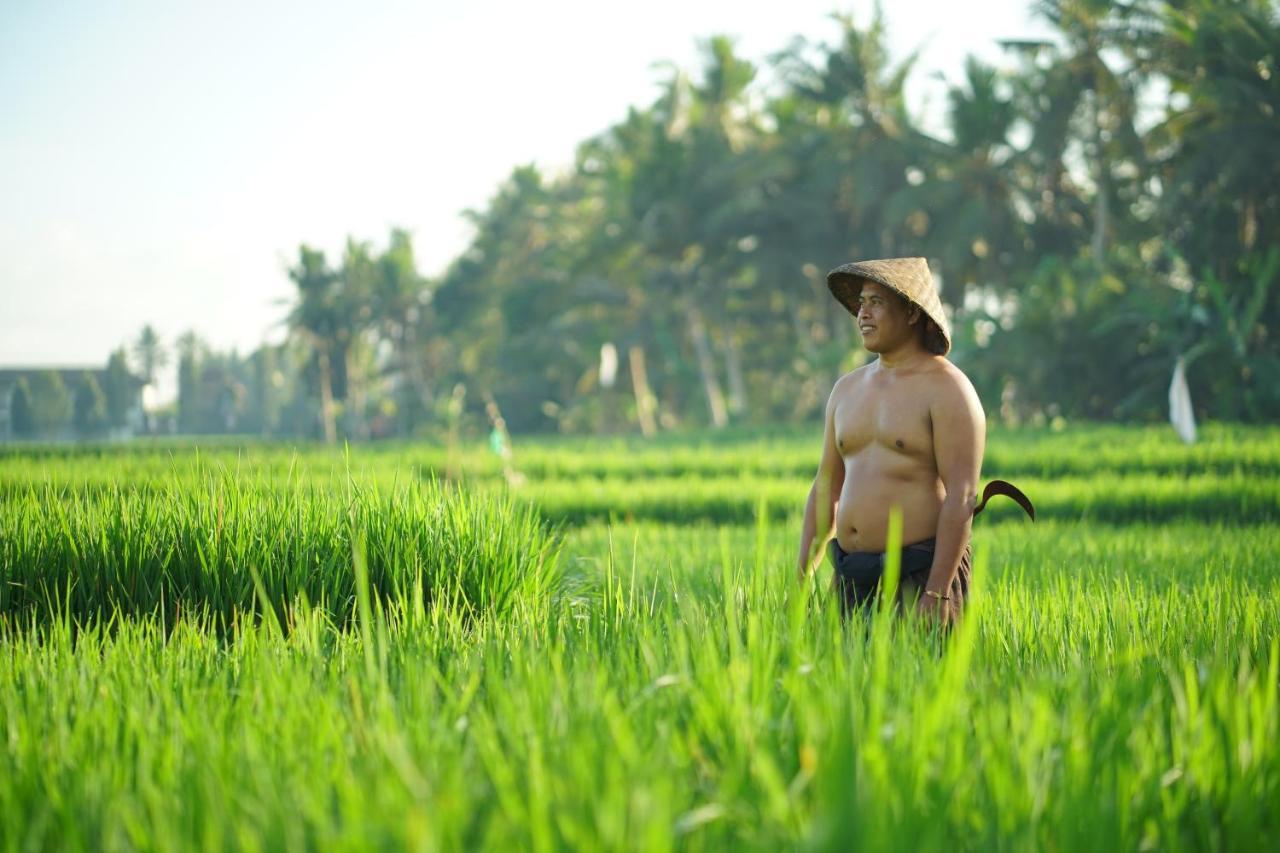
(1009, 490)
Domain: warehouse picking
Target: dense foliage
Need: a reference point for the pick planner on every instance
(1110, 205)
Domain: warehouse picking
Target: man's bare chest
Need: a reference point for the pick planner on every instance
(894, 418)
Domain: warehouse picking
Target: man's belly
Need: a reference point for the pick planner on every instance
(862, 516)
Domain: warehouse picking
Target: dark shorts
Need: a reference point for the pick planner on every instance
(857, 575)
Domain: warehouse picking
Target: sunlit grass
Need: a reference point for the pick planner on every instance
(1113, 685)
(225, 546)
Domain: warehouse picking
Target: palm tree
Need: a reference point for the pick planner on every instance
(315, 317)
(353, 317)
(690, 210)
(720, 212)
(149, 353)
(968, 191)
(1218, 169)
(1076, 97)
(838, 183)
(507, 306)
(615, 264)
(191, 351)
(399, 296)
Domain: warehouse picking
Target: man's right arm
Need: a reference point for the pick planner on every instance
(820, 509)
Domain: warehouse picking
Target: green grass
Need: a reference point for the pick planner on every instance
(232, 546)
(1041, 453)
(1114, 685)
(1228, 499)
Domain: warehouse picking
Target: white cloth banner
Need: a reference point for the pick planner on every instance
(608, 364)
(1180, 414)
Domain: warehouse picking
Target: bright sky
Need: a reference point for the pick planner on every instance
(160, 162)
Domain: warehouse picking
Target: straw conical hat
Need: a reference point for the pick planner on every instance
(909, 277)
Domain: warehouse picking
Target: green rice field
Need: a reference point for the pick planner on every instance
(265, 646)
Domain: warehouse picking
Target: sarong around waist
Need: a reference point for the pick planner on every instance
(858, 574)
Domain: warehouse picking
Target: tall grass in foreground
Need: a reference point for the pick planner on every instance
(1096, 713)
(230, 546)
(1113, 686)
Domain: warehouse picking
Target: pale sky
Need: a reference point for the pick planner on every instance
(161, 161)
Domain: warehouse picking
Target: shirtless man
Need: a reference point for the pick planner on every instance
(905, 431)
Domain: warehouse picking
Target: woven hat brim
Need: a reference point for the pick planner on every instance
(845, 284)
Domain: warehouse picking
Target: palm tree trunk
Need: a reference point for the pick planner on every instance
(706, 366)
(326, 396)
(413, 367)
(355, 398)
(1101, 211)
(1249, 224)
(644, 394)
(804, 340)
(733, 368)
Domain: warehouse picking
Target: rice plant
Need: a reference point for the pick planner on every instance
(438, 667)
(228, 545)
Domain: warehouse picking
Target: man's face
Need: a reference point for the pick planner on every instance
(885, 319)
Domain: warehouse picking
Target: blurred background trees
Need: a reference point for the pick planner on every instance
(1111, 204)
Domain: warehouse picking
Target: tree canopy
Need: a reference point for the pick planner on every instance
(1110, 204)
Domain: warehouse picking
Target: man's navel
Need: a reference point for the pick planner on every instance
(899, 443)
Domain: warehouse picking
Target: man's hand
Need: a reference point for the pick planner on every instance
(820, 509)
(817, 549)
(935, 610)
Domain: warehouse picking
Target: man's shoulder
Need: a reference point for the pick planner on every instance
(951, 385)
(853, 375)
(846, 384)
(846, 387)
(946, 373)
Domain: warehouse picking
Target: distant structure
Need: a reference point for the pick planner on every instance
(68, 403)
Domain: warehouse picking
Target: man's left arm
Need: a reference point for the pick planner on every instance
(959, 438)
